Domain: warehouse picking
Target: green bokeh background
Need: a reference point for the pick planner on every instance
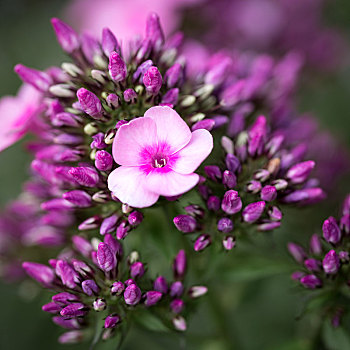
(261, 303)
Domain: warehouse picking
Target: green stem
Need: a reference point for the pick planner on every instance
(98, 331)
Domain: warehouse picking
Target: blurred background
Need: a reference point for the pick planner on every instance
(262, 306)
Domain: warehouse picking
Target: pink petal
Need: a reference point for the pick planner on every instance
(132, 139)
(170, 183)
(171, 128)
(192, 155)
(126, 183)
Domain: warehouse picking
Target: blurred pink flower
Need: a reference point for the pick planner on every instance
(158, 154)
(126, 19)
(16, 112)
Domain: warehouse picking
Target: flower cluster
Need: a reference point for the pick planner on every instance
(257, 174)
(325, 265)
(87, 280)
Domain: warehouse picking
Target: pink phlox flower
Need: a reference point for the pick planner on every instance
(158, 155)
(16, 114)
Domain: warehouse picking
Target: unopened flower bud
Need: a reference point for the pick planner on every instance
(160, 285)
(177, 306)
(137, 270)
(176, 289)
(41, 273)
(152, 80)
(90, 103)
(106, 257)
(229, 242)
(152, 298)
(117, 67)
(117, 288)
(253, 211)
(225, 225)
(180, 264)
(109, 42)
(40, 80)
(311, 281)
(90, 287)
(315, 244)
(66, 36)
(99, 304)
(297, 252)
(78, 198)
(74, 310)
(185, 223)
(132, 294)
(268, 193)
(202, 242)
(111, 321)
(331, 231)
(179, 323)
(331, 263)
(135, 218)
(103, 160)
(231, 203)
(197, 291)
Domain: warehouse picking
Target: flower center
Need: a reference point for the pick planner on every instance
(159, 161)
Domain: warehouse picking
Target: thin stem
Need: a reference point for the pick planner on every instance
(98, 332)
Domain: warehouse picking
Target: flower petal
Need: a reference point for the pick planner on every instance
(126, 183)
(171, 128)
(191, 156)
(170, 183)
(131, 140)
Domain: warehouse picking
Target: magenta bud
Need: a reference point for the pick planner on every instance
(122, 230)
(185, 223)
(90, 47)
(40, 80)
(174, 76)
(232, 163)
(298, 173)
(99, 304)
(112, 100)
(331, 263)
(41, 273)
(85, 176)
(152, 298)
(213, 172)
(69, 277)
(253, 186)
(176, 289)
(180, 264)
(82, 268)
(90, 103)
(117, 288)
(268, 225)
(229, 179)
(71, 337)
(132, 294)
(66, 36)
(344, 256)
(253, 211)
(135, 218)
(52, 308)
(315, 244)
(197, 291)
(74, 310)
(152, 80)
(331, 230)
(261, 175)
(116, 246)
(312, 265)
(179, 323)
(297, 275)
(194, 210)
(171, 97)
(137, 270)
(297, 252)
(142, 69)
(207, 124)
(130, 95)
(154, 31)
(305, 196)
(275, 214)
(202, 242)
(177, 306)
(311, 281)
(98, 141)
(64, 323)
(90, 223)
(117, 67)
(109, 42)
(111, 321)
(229, 242)
(268, 193)
(213, 203)
(109, 224)
(78, 198)
(160, 285)
(231, 203)
(345, 223)
(90, 287)
(225, 225)
(65, 298)
(106, 257)
(103, 160)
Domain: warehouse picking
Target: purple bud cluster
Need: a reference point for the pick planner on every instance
(261, 172)
(325, 264)
(102, 280)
